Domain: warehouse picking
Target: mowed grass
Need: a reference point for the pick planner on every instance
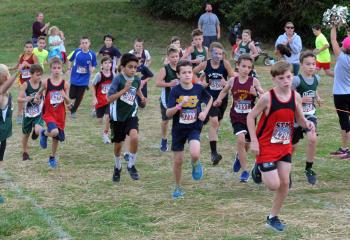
(79, 199)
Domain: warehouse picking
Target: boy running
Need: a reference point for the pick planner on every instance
(184, 107)
(306, 85)
(244, 90)
(196, 51)
(54, 110)
(108, 49)
(123, 112)
(271, 141)
(166, 79)
(323, 57)
(139, 49)
(32, 119)
(40, 51)
(100, 88)
(216, 70)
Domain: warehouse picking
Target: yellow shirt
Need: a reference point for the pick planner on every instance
(324, 56)
(41, 55)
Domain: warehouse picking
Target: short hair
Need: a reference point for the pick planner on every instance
(288, 23)
(54, 61)
(128, 57)
(247, 31)
(280, 68)
(105, 59)
(36, 68)
(183, 63)
(316, 27)
(216, 45)
(84, 38)
(245, 56)
(172, 49)
(108, 36)
(138, 40)
(28, 42)
(42, 38)
(306, 54)
(196, 32)
(38, 13)
(174, 39)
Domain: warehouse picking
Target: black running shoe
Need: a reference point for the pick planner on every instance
(34, 136)
(133, 173)
(116, 174)
(25, 156)
(215, 158)
(256, 174)
(275, 224)
(311, 176)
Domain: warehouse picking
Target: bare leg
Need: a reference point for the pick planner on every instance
(177, 168)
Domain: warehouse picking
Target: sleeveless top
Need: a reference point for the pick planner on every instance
(32, 109)
(25, 74)
(198, 55)
(275, 130)
(6, 120)
(102, 88)
(242, 49)
(213, 78)
(170, 74)
(54, 107)
(243, 101)
(305, 89)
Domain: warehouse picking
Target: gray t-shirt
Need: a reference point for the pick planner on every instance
(308, 81)
(208, 23)
(341, 84)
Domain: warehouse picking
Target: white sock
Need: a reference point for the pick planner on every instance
(132, 160)
(271, 216)
(118, 162)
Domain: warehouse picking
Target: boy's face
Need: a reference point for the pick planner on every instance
(198, 40)
(217, 54)
(130, 69)
(316, 32)
(186, 74)
(108, 42)
(36, 76)
(85, 44)
(28, 48)
(56, 69)
(245, 37)
(177, 44)
(107, 65)
(245, 67)
(173, 58)
(283, 80)
(41, 44)
(308, 66)
(138, 46)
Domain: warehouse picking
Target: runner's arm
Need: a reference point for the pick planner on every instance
(160, 79)
(21, 95)
(7, 84)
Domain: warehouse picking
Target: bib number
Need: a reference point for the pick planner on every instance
(81, 70)
(129, 96)
(188, 116)
(215, 84)
(243, 106)
(282, 133)
(105, 88)
(309, 109)
(56, 97)
(25, 73)
(33, 110)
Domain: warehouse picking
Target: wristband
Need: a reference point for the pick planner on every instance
(178, 107)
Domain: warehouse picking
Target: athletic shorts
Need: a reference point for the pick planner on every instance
(76, 92)
(239, 128)
(101, 111)
(163, 112)
(119, 129)
(298, 132)
(342, 102)
(270, 166)
(51, 126)
(325, 66)
(180, 136)
(217, 111)
(29, 123)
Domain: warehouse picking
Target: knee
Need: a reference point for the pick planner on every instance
(312, 140)
(284, 184)
(273, 186)
(177, 161)
(241, 142)
(214, 122)
(195, 155)
(54, 132)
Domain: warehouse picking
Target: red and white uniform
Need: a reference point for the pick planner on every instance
(25, 73)
(102, 88)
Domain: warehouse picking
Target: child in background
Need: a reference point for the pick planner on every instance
(323, 56)
(139, 49)
(55, 42)
(40, 51)
(32, 119)
(62, 47)
(108, 49)
(100, 88)
(145, 74)
(176, 43)
(196, 51)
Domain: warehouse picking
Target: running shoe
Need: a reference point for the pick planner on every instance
(197, 171)
(215, 158)
(340, 152)
(105, 138)
(34, 136)
(116, 174)
(311, 176)
(43, 139)
(133, 173)
(52, 162)
(178, 193)
(25, 156)
(164, 145)
(236, 164)
(244, 176)
(275, 224)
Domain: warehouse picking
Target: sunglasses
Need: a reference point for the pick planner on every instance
(289, 27)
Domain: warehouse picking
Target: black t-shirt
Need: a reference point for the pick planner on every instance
(111, 52)
(37, 26)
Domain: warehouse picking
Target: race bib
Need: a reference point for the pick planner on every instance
(105, 88)
(81, 70)
(56, 97)
(188, 116)
(243, 106)
(200, 57)
(129, 96)
(215, 84)
(308, 109)
(33, 110)
(282, 133)
(25, 73)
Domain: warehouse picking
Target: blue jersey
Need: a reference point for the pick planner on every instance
(82, 61)
(187, 117)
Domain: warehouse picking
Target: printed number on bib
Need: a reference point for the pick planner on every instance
(243, 106)
(105, 88)
(56, 97)
(309, 109)
(25, 73)
(215, 84)
(129, 96)
(33, 110)
(282, 133)
(81, 70)
(188, 116)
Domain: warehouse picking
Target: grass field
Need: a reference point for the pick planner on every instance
(79, 201)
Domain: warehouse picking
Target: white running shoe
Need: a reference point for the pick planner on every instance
(105, 138)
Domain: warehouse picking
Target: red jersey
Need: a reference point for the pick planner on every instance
(25, 73)
(243, 101)
(54, 108)
(102, 88)
(275, 130)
